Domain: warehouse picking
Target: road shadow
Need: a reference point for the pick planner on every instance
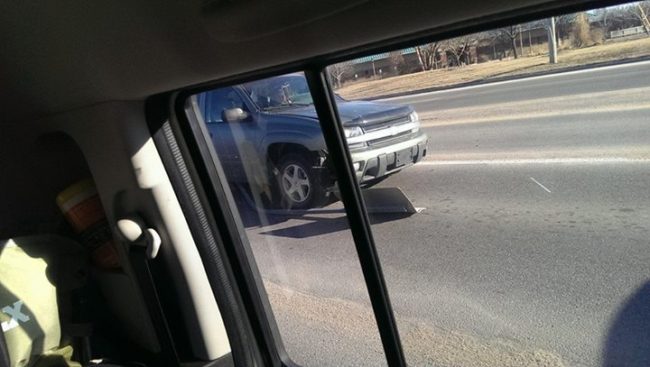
(329, 218)
(628, 339)
(269, 214)
(319, 225)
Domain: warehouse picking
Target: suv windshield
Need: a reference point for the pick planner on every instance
(279, 92)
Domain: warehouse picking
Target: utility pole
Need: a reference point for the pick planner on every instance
(552, 44)
(521, 41)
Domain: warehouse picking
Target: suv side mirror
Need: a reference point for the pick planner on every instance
(234, 115)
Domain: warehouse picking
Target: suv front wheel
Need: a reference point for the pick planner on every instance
(298, 183)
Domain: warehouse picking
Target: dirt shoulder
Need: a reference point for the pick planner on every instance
(612, 52)
(340, 326)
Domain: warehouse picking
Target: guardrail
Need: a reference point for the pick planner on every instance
(627, 32)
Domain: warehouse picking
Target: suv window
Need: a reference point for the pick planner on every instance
(213, 103)
(280, 92)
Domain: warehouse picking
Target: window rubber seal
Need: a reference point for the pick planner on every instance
(205, 229)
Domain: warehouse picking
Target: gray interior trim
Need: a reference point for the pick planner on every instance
(62, 56)
(130, 178)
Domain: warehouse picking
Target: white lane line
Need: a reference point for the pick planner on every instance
(460, 162)
(426, 121)
(540, 185)
(519, 80)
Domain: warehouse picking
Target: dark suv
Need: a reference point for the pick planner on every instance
(273, 123)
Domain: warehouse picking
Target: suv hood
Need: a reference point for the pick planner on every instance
(356, 112)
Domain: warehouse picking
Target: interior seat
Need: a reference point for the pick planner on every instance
(41, 282)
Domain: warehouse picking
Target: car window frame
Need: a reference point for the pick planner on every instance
(183, 174)
(249, 282)
(191, 131)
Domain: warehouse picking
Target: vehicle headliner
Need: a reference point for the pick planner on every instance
(60, 56)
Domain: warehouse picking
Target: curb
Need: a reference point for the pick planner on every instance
(594, 65)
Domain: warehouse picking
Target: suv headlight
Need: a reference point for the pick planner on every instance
(351, 132)
(354, 137)
(413, 116)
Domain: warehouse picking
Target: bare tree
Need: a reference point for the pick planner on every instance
(603, 16)
(511, 33)
(338, 71)
(491, 38)
(628, 16)
(458, 48)
(428, 55)
(615, 18)
(642, 11)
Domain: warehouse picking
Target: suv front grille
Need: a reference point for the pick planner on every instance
(385, 140)
(386, 124)
(405, 135)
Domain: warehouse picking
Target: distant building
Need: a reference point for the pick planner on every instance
(532, 39)
(380, 65)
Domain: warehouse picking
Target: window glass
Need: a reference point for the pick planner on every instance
(269, 141)
(212, 104)
(285, 91)
(506, 175)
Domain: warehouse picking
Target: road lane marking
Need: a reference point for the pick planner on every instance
(610, 96)
(540, 185)
(466, 162)
(518, 80)
(427, 121)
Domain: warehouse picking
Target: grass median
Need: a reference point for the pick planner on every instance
(568, 58)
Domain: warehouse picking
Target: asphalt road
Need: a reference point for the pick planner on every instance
(532, 250)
